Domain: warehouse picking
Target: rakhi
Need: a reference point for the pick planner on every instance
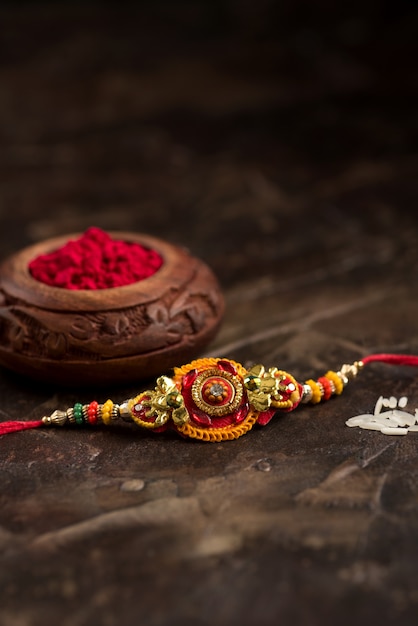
(212, 399)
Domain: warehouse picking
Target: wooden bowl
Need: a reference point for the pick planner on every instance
(106, 336)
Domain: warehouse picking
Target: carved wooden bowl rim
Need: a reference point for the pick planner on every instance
(17, 281)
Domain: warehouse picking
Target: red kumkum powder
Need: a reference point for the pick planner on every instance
(95, 261)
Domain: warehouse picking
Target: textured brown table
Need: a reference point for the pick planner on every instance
(277, 143)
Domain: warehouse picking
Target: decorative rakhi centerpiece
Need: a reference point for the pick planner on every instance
(214, 399)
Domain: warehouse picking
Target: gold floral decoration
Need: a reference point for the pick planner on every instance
(264, 387)
(164, 402)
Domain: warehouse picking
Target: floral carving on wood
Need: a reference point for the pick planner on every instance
(177, 317)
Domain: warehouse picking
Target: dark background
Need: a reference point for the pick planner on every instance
(277, 141)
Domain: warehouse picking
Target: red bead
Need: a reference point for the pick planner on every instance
(326, 385)
(92, 412)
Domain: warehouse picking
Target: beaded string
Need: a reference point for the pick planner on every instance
(80, 414)
(212, 399)
(332, 383)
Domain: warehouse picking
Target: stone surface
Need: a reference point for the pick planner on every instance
(277, 142)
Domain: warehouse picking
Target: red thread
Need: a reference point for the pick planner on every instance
(13, 427)
(392, 359)
(95, 261)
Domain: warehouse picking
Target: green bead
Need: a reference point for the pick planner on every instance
(78, 413)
